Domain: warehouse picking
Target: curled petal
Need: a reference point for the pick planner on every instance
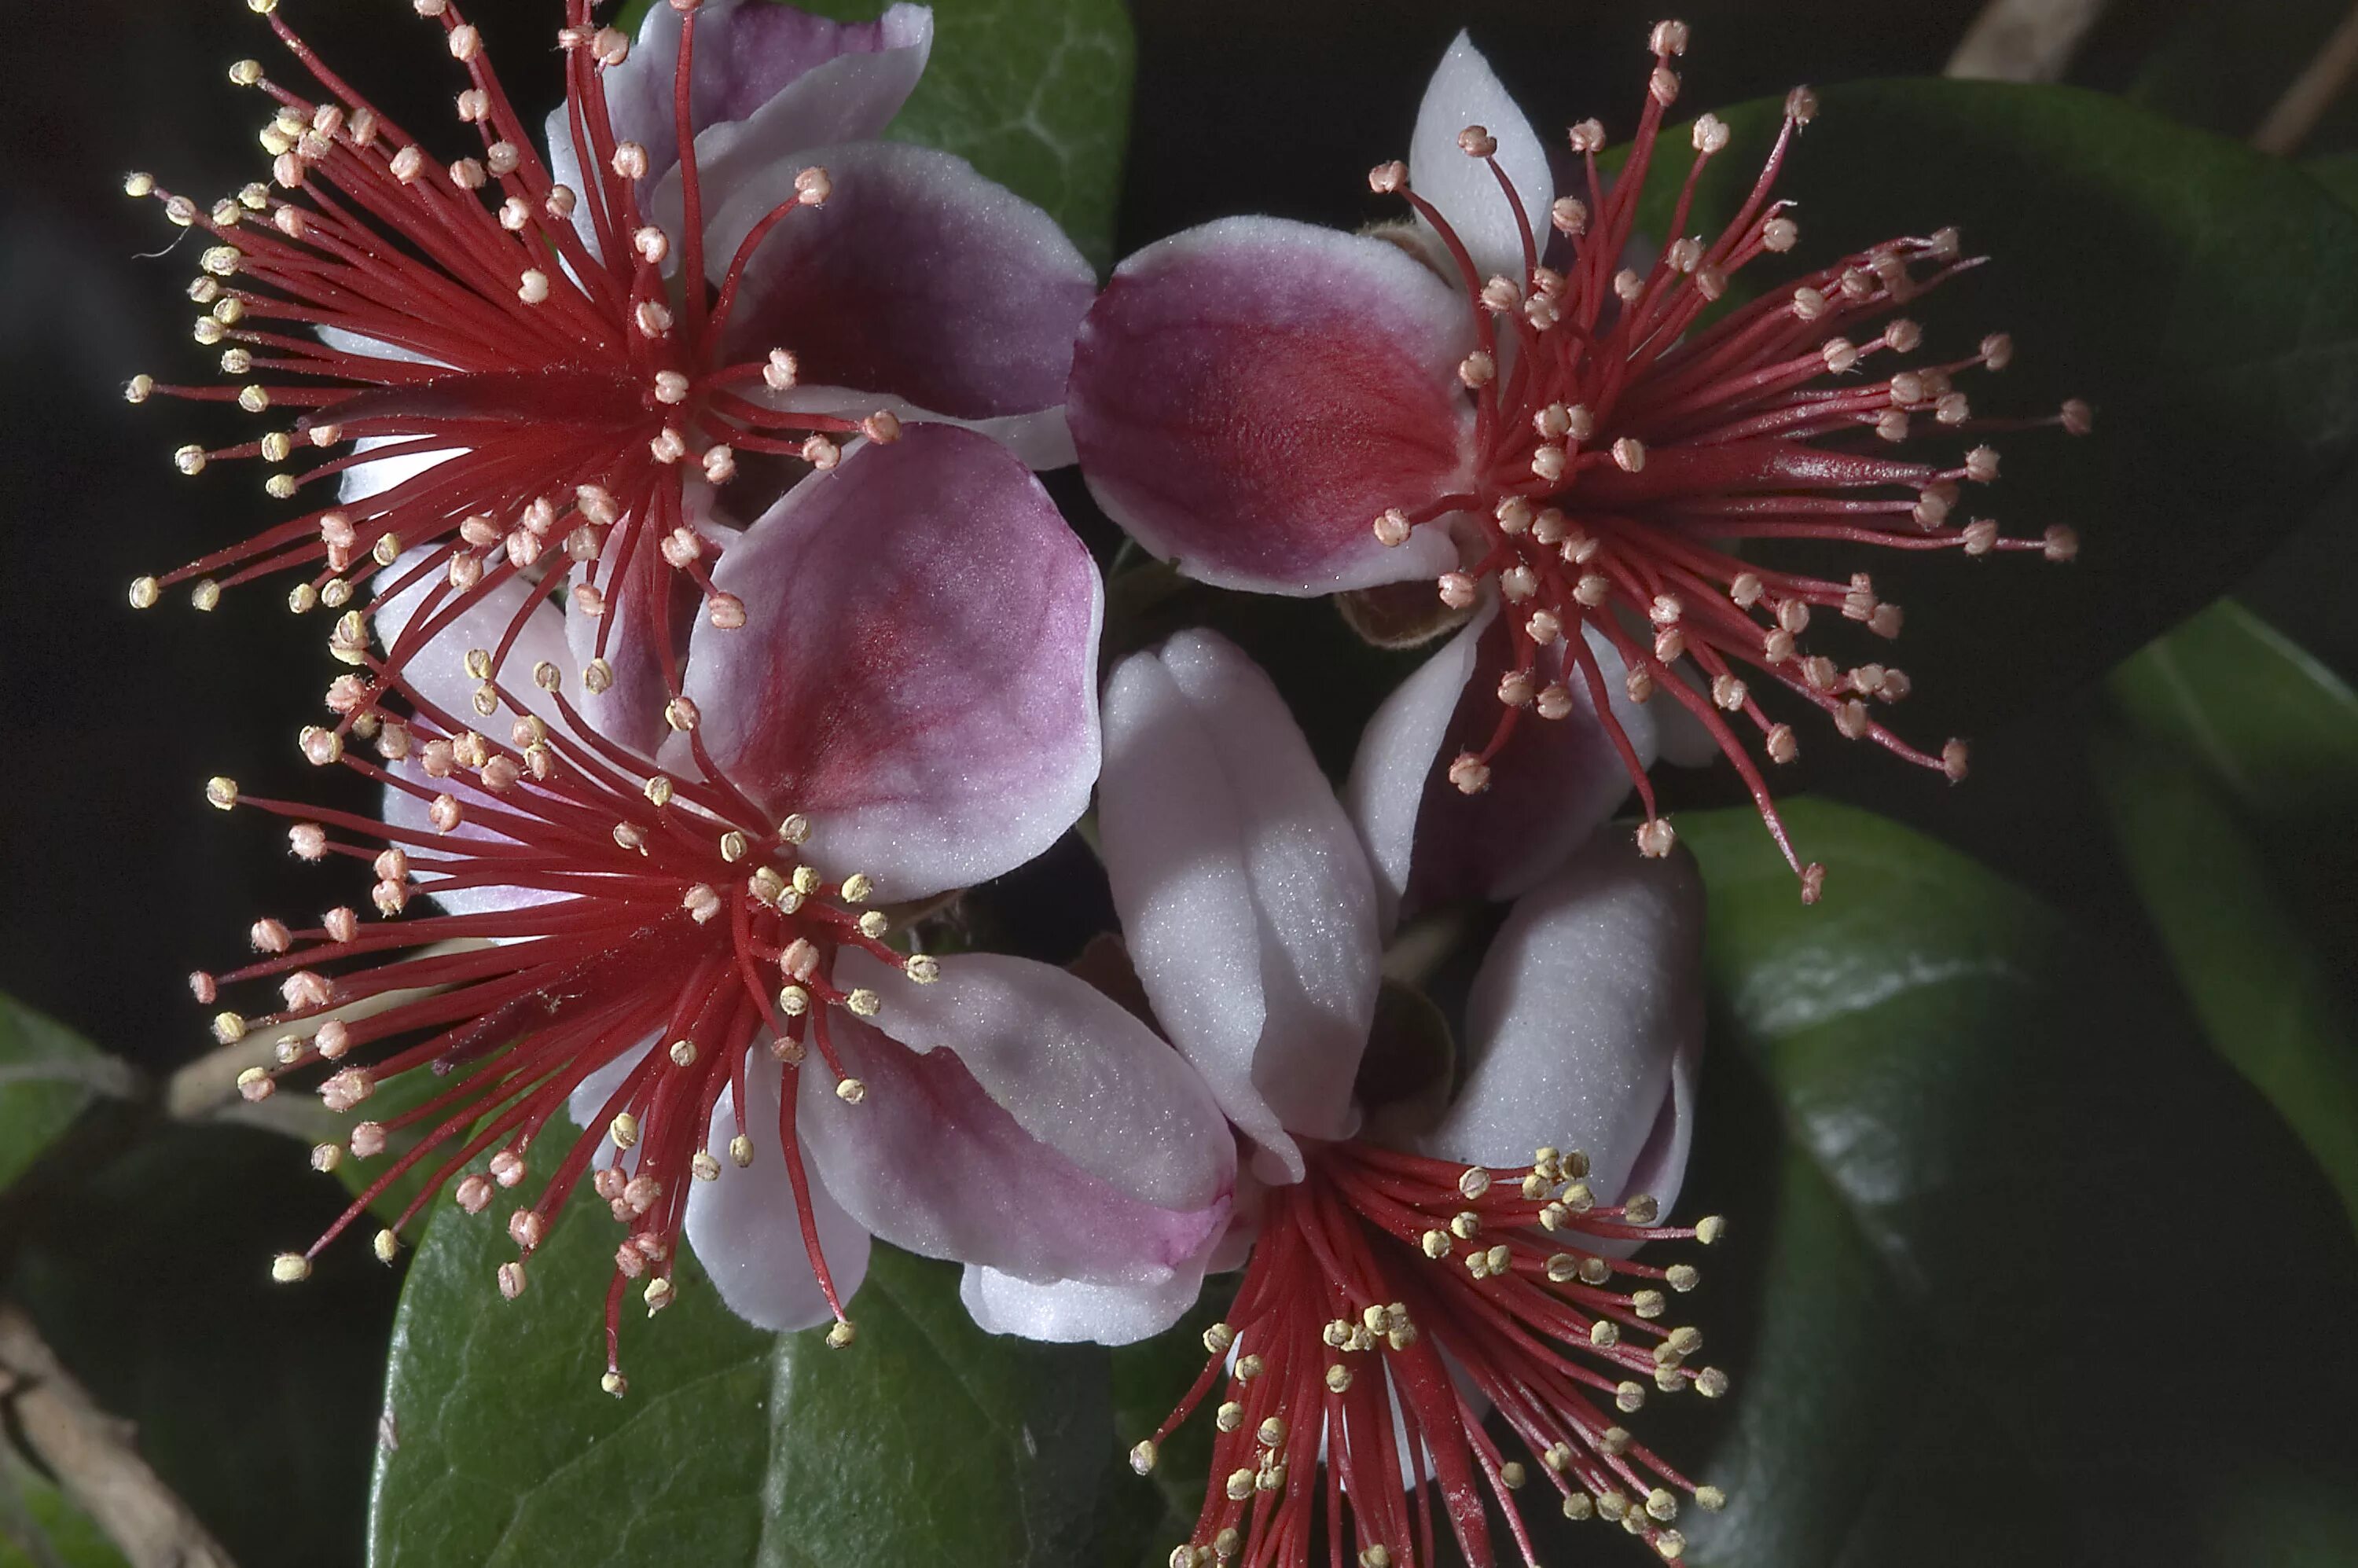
(868, 71)
(745, 1229)
(917, 280)
(917, 673)
(1016, 1116)
(1556, 781)
(1465, 93)
(1244, 894)
(1586, 1026)
(1248, 397)
(768, 80)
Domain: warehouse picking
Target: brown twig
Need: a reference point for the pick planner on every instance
(2296, 115)
(2024, 40)
(206, 1089)
(91, 1455)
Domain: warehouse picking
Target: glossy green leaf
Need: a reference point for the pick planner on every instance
(2252, 971)
(2234, 799)
(1035, 93)
(925, 1441)
(41, 1527)
(48, 1073)
(1979, 1185)
(2275, 729)
(2195, 292)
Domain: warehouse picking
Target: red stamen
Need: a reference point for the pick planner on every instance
(1372, 1281)
(1622, 449)
(636, 871)
(556, 377)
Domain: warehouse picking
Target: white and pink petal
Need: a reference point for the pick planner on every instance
(1015, 1118)
(1465, 93)
(1248, 397)
(917, 669)
(745, 1227)
(1585, 1026)
(1244, 895)
(916, 279)
(1551, 786)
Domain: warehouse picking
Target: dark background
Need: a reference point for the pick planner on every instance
(119, 880)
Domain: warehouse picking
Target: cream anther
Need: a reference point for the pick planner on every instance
(781, 371)
(1392, 529)
(1478, 369)
(1476, 141)
(1384, 179)
(1470, 773)
(813, 186)
(1569, 216)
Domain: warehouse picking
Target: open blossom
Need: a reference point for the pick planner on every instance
(511, 364)
(1415, 1265)
(686, 944)
(1507, 399)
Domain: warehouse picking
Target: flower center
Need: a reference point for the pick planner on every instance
(453, 314)
(642, 932)
(1626, 452)
(1380, 1289)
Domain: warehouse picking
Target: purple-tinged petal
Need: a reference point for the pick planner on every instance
(1016, 1116)
(1555, 781)
(1244, 894)
(847, 98)
(630, 712)
(1070, 1312)
(836, 81)
(1585, 1028)
(917, 671)
(917, 278)
(1248, 397)
(1464, 91)
(769, 80)
(744, 1228)
(437, 672)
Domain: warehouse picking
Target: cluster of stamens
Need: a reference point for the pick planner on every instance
(1625, 448)
(562, 398)
(1375, 1286)
(670, 910)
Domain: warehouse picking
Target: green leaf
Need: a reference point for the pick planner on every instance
(925, 1441)
(2251, 969)
(2274, 728)
(2338, 174)
(1990, 1212)
(39, 1525)
(2194, 291)
(1035, 93)
(48, 1073)
(2235, 803)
